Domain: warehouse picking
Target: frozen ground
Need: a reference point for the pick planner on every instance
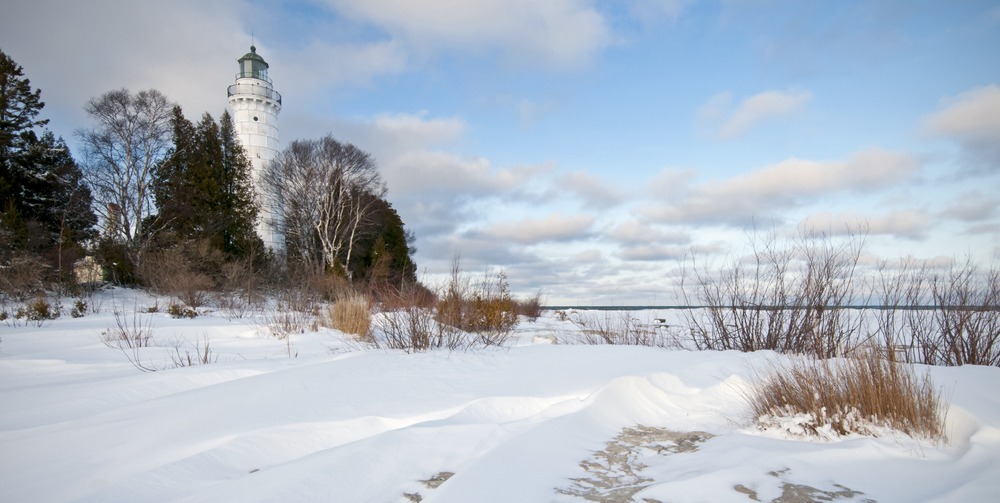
(336, 423)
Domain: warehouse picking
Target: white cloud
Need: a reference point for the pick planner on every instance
(635, 232)
(908, 223)
(555, 227)
(785, 185)
(74, 51)
(588, 256)
(554, 31)
(592, 189)
(716, 107)
(758, 109)
(440, 172)
(973, 206)
(305, 70)
(407, 131)
(973, 120)
(716, 116)
(651, 252)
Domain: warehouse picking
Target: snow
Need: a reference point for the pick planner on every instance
(344, 424)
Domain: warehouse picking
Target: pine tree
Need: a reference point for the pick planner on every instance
(241, 209)
(203, 189)
(387, 241)
(45, 206)
(19, 105)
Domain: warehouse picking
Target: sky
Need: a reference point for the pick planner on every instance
(589, 149)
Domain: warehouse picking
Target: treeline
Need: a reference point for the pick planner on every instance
(161, 201)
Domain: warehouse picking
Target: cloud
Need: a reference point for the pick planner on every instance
(635, 232)
(441, 172)
(341, 63)
(651, 252)
(784, 185)
(908, 223)
(555, 227)
(752, 111)
(973, 206)
(592, 189)
(563, 32)
(972, 119)
(588, 256)
(74, 51)
(670, 182)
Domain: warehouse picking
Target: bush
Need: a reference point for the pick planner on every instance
(170, 272)
(79, 308)
(407, 320)
(967, 311)
(21, 277)
(178, 311)
(858, 394)
(130, 335)
(530, 308)
(482, 306)
(787, 298)
(40, 310)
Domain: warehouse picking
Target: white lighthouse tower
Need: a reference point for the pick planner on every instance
(255, 107)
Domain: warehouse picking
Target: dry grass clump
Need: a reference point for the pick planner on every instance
(861, 394)
(350, 314)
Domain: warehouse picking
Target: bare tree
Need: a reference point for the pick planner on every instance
(121, 153)
(326, 192)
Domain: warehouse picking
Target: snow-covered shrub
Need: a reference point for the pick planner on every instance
(861, 394)
(178, 311)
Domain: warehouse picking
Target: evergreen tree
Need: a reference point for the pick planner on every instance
(45, 207)
(387, 248)
(203, 189)
(19, 105)
(239, 205)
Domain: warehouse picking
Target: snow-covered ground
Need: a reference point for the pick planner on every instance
(338, 423)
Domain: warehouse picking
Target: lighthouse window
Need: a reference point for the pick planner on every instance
(255, 119)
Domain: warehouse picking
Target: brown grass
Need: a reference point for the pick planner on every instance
(350, 314)
(858, 394)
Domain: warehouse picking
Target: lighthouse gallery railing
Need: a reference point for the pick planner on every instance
(262, 91)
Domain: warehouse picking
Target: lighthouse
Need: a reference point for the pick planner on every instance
(255, 106)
